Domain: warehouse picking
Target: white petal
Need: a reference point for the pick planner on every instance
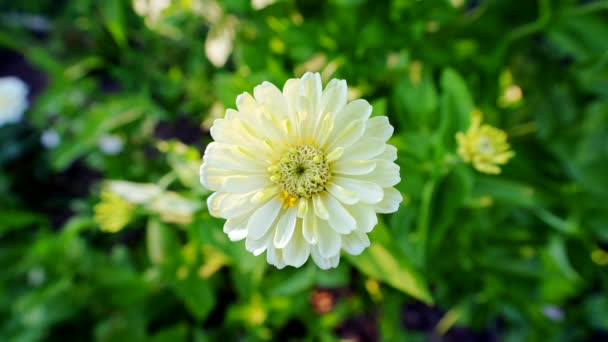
(298, 249)
(339, 218)
(323, 262)
(274, 256)
(291, 91)
(347, 136)
(343, 195)
(241, 184)
(367, 192)
(379, 127)
(355, 110)
(311, 88)
(263, 218)
(226, 205)
(272, 99)
(364, 149)
(355, 242)
(354, 167)
(390, 153)
(258, 246)
(310, 226)
(236, 227)
(334, 96)
(319, 207)
(284, 228)
(390, 202)
(246, 104)
(329, 240)
(365, 216)
(386, 174)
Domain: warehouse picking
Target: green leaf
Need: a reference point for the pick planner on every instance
(196, 294)
(114, 19)
(176, 333)
(384, 261)
(456, 105)
(161, 242)
(506, 191)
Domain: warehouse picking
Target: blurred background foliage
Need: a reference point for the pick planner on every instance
(104, 230)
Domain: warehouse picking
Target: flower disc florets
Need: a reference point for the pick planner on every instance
(302, 171)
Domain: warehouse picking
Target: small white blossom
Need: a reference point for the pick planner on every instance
(111, 144)
(301, 172)
(13, 99)
(50, 138)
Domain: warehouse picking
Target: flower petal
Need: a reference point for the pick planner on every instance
(263, 218)
(386, 174)
(366, 191)
(364, 149)
(354, 167)
(258, 246)
(339, 218)
(310, 226)
(298, 249)
(347, 136)
(355, 110)
(236, 227)
(323, 262)
(329, 240)
(341, 194)
(284, 228)
(355, 242)
(390, 202)
(274, 256)
(365, 216)
(226, 205)
(334, 96)
(379, 127)
(319, 207)
(390, 153)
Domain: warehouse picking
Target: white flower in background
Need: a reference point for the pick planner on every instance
(150, 9)
(50, 138)
(301, 172)
(13, 99)
(220, 39)
(36, 276)
(260, 4)
(111, 144)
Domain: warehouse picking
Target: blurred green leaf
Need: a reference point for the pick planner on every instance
(385, 262)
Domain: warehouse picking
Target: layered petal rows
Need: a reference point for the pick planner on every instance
(301, 172)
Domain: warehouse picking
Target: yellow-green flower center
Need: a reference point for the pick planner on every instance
(301, 172)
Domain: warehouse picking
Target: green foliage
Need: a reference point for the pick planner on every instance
(521, 255)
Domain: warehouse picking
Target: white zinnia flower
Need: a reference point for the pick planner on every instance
(301, 172)
(13, 99)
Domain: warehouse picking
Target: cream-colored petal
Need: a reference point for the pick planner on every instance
(226, 205)
(386, 174)
(319, 207)
(258, 246)
(379, 127)
(364, 215)
(355, 110)
(329, 240)
(390, 202)
(347, 136)
(323, 262)
(353, 167)
(339, 218)
(310, 226)
(284, 228)
(263, 218)
(236, 227)
(334, 96)
(364, 149)
(271, 99)
(298, 249)
(390, 153)
(341, 194)
(274, 256)
(242, 184)
(367, 192)
(355, 242)
(247, 105)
